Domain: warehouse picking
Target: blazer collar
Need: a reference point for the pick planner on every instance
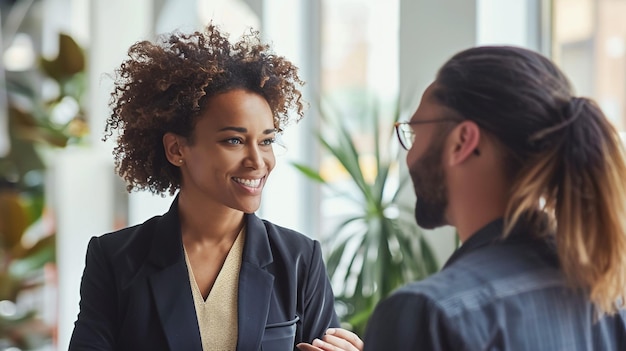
(257, 250)
(167, 246)
(170, 284)
(256, 286)
(167, 235)
(172, 291)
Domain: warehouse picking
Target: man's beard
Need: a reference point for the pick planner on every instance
(429, 183)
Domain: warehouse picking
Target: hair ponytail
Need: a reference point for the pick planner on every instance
(591, 209)
(580, 184)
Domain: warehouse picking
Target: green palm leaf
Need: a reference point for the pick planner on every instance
(378, 248)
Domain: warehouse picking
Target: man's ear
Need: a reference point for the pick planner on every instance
(465, 141)
(173, 145)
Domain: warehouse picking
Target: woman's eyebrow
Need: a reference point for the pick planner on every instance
(236, 129)
(245, 130)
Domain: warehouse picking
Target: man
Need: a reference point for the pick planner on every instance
(531, 176)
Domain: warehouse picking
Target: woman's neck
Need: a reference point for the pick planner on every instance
(208, 221)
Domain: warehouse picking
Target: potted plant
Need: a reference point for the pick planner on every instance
(377, 247)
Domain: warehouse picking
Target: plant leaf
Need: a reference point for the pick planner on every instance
(376, 251)
(309, 172)
(69, 61)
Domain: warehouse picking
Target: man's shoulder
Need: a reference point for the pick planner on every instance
(481, 277)
(441, 286)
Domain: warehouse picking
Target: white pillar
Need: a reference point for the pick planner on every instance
(4, 113)
(383, 51)
(85, 186)
(83, 196)
(115, 26)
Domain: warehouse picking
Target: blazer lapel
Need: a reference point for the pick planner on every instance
(175, 306)
(170, 285)
(255, 286)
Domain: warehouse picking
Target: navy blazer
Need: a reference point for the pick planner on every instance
(136, 294)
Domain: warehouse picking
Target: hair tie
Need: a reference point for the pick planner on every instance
(571, 113)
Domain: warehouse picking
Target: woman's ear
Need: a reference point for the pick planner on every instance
(172, 144)
(465, 141)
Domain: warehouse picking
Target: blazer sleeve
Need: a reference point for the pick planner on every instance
(319, 304)
(95, 328)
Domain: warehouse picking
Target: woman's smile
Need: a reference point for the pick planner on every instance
(252, 183)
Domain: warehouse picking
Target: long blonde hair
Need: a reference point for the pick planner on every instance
(587, 203)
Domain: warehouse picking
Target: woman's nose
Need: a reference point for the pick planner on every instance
(254, 157)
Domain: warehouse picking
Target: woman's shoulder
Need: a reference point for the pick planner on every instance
(135, 238)
(277, 231)
(130, 232)
(283, 239)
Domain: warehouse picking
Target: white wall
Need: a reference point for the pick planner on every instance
(431, 31)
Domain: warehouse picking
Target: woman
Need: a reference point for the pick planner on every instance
(199, 115)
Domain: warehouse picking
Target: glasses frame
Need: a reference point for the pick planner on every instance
(402, 134)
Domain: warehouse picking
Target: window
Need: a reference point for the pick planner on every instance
(589, 44)
(359, 74)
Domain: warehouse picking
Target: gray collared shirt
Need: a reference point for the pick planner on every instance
(494, 294)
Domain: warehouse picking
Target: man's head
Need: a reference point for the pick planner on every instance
(511, 93)
(506, 100)
(543, 153)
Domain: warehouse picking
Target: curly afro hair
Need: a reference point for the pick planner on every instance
(164, 85)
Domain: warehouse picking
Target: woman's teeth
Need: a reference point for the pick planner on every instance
(252, 183)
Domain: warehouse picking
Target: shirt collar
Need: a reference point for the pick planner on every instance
(540, 235)
(485, 236)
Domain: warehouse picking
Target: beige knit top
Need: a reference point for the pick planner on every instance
(217, 315)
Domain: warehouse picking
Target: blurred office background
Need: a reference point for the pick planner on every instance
(362, 57)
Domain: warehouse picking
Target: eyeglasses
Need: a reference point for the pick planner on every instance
(406, 135)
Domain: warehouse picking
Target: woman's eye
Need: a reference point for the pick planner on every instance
(267, 142)
(234, 141)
